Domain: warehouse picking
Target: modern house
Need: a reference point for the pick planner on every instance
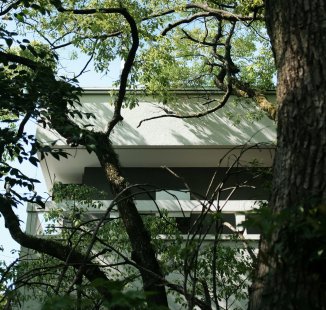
(184, 161)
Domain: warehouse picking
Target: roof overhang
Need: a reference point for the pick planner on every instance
(71, 170)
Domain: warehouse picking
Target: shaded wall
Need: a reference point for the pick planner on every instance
(256, 181)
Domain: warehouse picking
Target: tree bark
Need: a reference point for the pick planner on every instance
(291, 271)
(143, 252)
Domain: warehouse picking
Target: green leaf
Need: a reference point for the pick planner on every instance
(34, 161)
(32, 50)
(9, 42)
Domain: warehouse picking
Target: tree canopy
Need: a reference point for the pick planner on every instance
(163, 45)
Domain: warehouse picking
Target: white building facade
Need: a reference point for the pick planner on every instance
(184, 164)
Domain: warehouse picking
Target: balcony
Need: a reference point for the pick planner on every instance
(185, 212)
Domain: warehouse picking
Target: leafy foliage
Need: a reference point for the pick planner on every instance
(299, 229)
(175, 45)
(77, 217)
(176, 48)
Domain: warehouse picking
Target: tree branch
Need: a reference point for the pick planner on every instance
(23, 124)
(5, 57)
(220, 105)
(203, 42)
(244, 90)
(52, 248)
(185, 21)
(117, 117)
(251, 253)
(221, 14)
(9, 7)
(125, 72)
(98, 37)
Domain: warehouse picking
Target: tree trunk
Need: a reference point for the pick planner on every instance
(291, 271)
(143, 252)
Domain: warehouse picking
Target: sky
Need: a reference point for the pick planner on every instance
(89, 79)
(6, 241)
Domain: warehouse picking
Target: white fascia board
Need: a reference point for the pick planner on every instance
(71, 170)
(149, 206)
(174, 208)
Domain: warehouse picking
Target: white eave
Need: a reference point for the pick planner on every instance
(71, 170)
(206, 142)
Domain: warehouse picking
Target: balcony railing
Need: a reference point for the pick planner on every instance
(186, 212)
